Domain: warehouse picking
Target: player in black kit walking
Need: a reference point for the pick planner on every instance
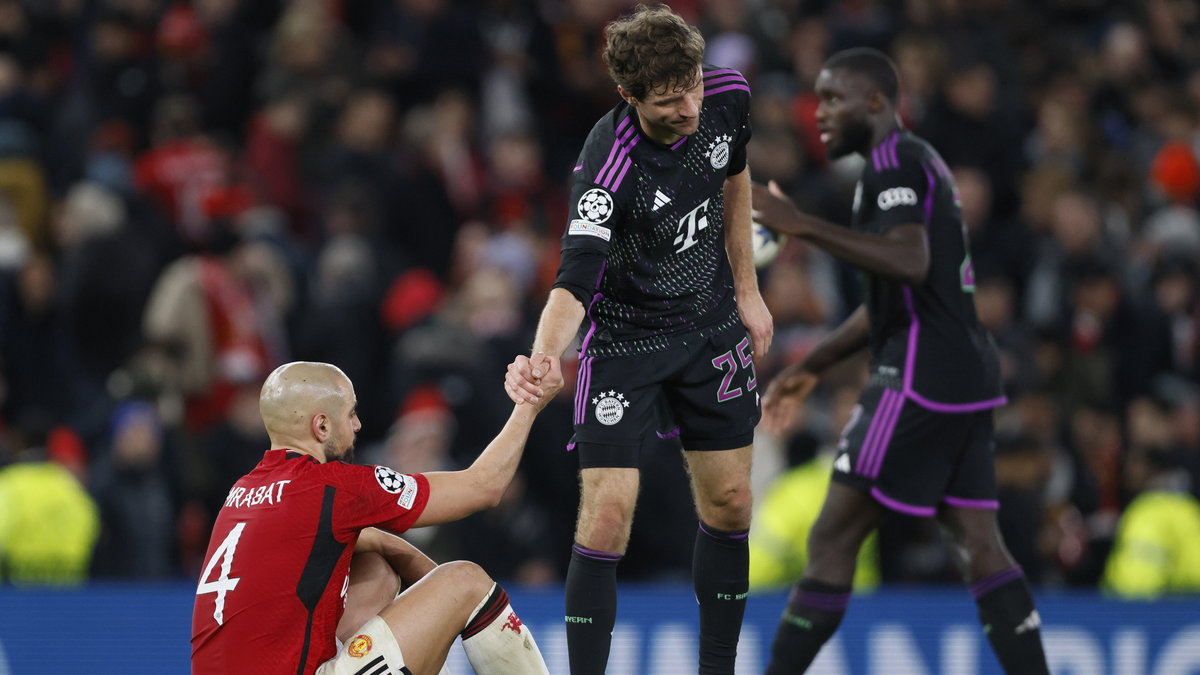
(657, 259)
(920, 441)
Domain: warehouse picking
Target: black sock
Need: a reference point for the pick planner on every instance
(1011, 622)
(721, 576)
(813, 613)
(591, 601)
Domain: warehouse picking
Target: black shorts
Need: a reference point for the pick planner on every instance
(911, 459)
(703, 390)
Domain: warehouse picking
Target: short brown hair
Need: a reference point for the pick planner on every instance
(652, 48)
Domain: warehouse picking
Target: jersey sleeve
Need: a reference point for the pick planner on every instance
(378, 496)
(726, 87)
(898, 184)
(592, 215)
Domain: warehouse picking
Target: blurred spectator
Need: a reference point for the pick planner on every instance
(1157, 549)
(131, 483)
(48, 522)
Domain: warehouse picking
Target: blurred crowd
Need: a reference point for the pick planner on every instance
(194, 192)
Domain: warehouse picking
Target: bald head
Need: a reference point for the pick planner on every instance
(300, 400)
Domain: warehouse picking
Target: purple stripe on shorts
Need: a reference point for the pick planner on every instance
(577, 169)
(974, 406)
(993, 581)
(959, 502)
(726, 88)
(731, 536)
(922, 511)
(870, 446)
(570, 446)
(582, 382)
(596, 555)
(889, 427)
(674, 433)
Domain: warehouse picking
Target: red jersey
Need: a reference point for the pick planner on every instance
(278, 564)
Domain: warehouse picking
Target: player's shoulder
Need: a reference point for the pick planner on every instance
(724, 83)
(607, 156)
(900, 151)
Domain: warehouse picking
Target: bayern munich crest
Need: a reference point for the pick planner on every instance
(718, 151)
(596, 205)
(610, 407)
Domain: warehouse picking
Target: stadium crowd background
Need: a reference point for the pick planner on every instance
(192, 193)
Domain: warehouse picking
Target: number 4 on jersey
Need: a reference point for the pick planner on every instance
(222, 584)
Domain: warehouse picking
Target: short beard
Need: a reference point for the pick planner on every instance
(332, 453)
(856, 137)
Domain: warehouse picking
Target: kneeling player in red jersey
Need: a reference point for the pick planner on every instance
(278, 593)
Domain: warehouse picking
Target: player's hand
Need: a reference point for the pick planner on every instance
(550, 378)
(774, 209)
(530, 379)
(758, 322)
(784, 395)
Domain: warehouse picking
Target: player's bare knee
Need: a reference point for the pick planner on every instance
(467, 576)
(729, 510)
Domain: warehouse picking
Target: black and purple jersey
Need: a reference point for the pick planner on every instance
(656, 213)
(925, 340)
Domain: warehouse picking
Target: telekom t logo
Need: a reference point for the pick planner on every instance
(694, 221)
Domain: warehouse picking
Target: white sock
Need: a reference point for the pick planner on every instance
(505, 646)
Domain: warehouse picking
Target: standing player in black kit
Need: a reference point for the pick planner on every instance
(656, 277)
(920, 441)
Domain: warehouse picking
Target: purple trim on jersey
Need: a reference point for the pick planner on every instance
(734, 77)
(993, 581)
(871, 442)
(959, 502)
(577, 169)
(974, 406)
(721, 71)
(875, 158)
(909, 509)
(674, 433)
(732, 536)
(914, 333)
(891, 149)
(680, 142)
(624, 131)
(596, 555)
(626, 162)
(885, 437)
(727, 88)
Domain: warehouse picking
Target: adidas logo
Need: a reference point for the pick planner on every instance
(842, 464)
(660, 200)
(1031, 622)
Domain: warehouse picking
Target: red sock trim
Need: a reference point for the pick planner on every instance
(491, 609)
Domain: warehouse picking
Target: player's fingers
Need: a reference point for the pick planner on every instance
(538, 365)
(513, 394)
(774, 189)
(524, 386)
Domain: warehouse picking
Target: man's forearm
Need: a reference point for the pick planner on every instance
(737, 232)
(559, 323)
(845, 340)
(406, 560)
(902, 254)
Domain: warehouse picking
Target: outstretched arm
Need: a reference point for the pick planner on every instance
(557, 328)
(902, 253)
(454, 495)
(753, 311)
